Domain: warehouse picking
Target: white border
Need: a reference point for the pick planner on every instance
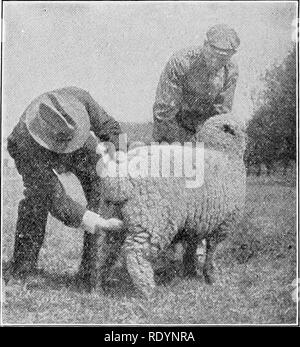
(297, 182)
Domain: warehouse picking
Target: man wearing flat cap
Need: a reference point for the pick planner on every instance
(197, 83)
(59, 129)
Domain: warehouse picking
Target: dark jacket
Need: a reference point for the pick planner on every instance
(36, 164)
(187, 89)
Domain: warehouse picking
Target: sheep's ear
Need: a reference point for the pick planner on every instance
(228, 129)
(101, 149)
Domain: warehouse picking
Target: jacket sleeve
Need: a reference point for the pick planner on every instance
(40, 182)
(44, 186)
(105, 127)
(168, 101)
(224, 101)
(62, 206)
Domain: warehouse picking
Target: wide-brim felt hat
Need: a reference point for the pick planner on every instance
(58, 122)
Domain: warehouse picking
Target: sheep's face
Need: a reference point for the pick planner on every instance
(223, 132)
(115, 183)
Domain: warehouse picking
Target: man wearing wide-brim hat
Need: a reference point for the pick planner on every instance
(196, 83)
(59, 129)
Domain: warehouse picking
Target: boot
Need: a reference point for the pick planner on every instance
(28, 240)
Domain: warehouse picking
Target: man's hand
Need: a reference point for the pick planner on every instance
(220, 109)
(92, 221)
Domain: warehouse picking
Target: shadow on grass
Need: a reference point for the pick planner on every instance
(117, 285)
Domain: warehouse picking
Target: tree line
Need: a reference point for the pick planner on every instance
(272, 129)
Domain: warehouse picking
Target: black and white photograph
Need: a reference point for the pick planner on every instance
(149, 165)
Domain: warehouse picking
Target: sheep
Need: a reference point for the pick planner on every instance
(158, 211)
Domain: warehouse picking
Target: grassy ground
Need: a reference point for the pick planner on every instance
(255, 269)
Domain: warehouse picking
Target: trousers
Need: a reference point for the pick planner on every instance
(37, 203)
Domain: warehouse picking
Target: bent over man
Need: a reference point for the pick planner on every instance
(53, 133)
(197, 83)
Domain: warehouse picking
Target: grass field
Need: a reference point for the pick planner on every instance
(255, 269)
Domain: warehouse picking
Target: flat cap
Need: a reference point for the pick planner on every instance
(223, 37)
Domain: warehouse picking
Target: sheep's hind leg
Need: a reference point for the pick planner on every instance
(190, 258)
(208, 268)
(138, 264)
(194, 252)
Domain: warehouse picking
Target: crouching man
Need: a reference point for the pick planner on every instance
(54, 135)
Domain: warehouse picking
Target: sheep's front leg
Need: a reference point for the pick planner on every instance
(137, 254)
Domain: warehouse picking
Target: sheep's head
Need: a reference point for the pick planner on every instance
(225, 133)
(116, 186)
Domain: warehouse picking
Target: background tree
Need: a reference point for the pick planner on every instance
(272, 129)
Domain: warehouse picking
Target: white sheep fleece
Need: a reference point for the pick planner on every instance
(156, 209)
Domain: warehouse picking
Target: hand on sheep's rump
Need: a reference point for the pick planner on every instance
(92, 222)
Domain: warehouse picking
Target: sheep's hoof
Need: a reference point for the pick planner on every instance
(146, 296)
(146, 293)
(82, 286)
(165, 275)
(209, 279)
